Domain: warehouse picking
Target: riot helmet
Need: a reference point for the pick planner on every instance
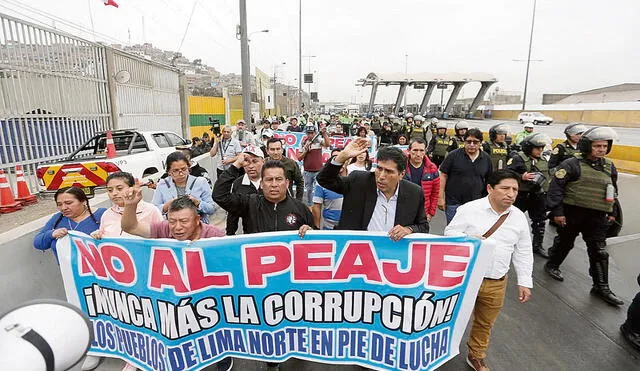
(595, 134)
(461, 125)
(498, 129)
(533, 141)
(434, 120)
(418, 118)
(574, 128)
(408, 115)
(441, 125)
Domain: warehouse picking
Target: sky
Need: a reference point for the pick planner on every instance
(582, 44)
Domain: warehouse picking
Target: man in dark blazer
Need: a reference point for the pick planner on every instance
(380, 201)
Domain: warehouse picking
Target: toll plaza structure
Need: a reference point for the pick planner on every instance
(428, 81)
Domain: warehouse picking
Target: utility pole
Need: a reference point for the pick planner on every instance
(526, 78)
(244, 56)
(300, 55)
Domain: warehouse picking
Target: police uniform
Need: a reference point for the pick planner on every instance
(438, 147)
(561, 152)
(456, 142)
(578, 192)
(532, 197)
(499, 152)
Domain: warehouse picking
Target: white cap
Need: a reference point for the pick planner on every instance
(241, 121)
(254, 151)
(267, 133)
(528, 125)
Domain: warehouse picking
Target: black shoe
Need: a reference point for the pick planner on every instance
(605, 293)
(541, 252)
(225, 365)
(631, 337)
(553, 272)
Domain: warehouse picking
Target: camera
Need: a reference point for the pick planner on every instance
(215, 126)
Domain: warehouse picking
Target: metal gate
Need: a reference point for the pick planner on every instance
(53, 95)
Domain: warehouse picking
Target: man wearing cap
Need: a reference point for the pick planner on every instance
(228, 147)
(293, 125)
(265, 126)
(247, 184)
(519, 137)
(568, 148)
(311, 156)
(275, 151)
(242, 135)
(266, 135)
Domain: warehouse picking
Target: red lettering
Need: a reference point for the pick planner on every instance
(90, 259)
(438, 264)
(302, 262)
(290, 139)
(415, 270)
(263, 261)
(127, 273)
(358, 260)
(165, 272)
(196, 273)
(292, 153)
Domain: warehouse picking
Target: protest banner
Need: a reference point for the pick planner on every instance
(292, 143)
(336, 297)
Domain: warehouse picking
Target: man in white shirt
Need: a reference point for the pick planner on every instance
(512, 243)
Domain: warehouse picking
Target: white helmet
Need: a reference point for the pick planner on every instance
(408, 115)
(418, 118)
(528, 125)
(434, 120)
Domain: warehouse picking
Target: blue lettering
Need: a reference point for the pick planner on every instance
(205, 352)
(402, 364)
(111, 342)
(267, 345)
(224, 340)
(238, 342)
(100, 334)
(343, 341)
(176, 361)
(444, 343)
(376, 348)
(189, 354)
(327, 343)
(315, 342)
(280, 346)
(389, 350)
(428, 355)
(254, 342)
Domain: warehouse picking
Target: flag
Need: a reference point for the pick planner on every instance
(110, 2)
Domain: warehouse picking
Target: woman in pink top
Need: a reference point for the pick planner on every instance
(118, 184)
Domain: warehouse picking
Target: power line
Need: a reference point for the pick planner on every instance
(188, 24)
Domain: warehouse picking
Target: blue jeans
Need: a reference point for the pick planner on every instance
(450, 212)
(309, 181)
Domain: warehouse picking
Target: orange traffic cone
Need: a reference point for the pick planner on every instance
(111, 148)
(24, 196)
(7, 203)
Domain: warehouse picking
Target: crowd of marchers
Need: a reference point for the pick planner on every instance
(392, 176)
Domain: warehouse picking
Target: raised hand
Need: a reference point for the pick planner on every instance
(353, 149)
(133, 196)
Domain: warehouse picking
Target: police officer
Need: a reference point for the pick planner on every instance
(376, 125)
(568, 148)
(417, 130)
(458, 140)
(432, 126)
(497, 147)
(439, 144)
(581, 198)
(534, 171)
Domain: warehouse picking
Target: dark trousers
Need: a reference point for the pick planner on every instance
(534, 203)
(593, 226)
(633, 315)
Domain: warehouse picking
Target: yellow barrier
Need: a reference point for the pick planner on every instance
(206, 105)
(596, 117)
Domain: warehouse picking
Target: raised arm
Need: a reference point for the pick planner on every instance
(129, 222)
(232, 202)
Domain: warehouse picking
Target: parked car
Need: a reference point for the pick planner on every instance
(140, 153)
(535, 118)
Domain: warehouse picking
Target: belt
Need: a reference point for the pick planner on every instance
(496, 279)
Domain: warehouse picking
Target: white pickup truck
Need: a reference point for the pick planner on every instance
(140, 153)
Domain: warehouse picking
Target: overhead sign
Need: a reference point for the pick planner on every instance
(308, 78)
(268, 99)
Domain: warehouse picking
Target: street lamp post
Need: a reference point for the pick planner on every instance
(526, 78)
(275, 87)
(244, 57)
